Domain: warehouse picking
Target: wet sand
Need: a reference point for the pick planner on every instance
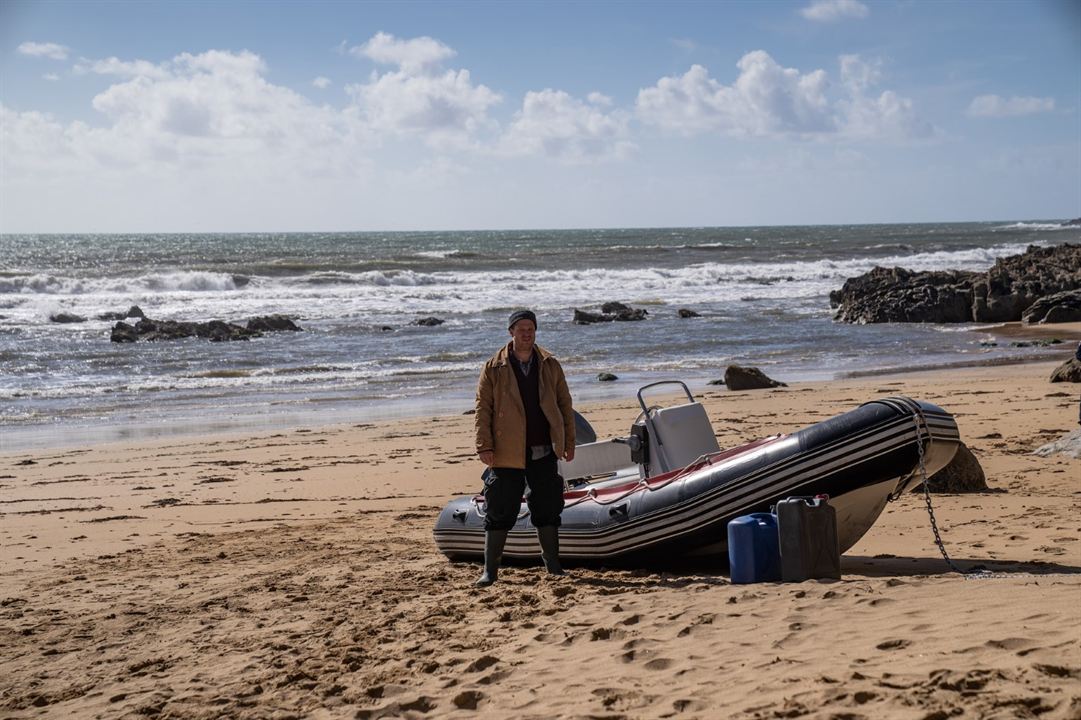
(293, 574)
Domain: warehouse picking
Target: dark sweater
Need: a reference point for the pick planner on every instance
(537, 431)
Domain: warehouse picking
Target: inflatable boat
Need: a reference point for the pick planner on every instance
(667, 490)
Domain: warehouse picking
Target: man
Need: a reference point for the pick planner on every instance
(524, 423)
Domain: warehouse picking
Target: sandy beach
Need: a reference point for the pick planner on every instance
(293, 574)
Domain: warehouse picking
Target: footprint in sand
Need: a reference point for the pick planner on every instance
(659, 664)
(895, 644)
(482, 663)
(468, 699)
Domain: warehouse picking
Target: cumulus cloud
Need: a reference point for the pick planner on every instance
(121, 68)
(767, 99)
(212, 112)
(556, 125)
(414, 56)
(859, 75)
(321, 82)
(996, 106)
(866, 116)
(832, 10)
(420, 96)
(53, 51)
(51, 77)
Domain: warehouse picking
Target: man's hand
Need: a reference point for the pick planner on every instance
(569, 454)
(487, 457)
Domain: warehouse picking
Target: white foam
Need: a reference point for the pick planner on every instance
(184, 281)
(1034, 226)
(398, 297)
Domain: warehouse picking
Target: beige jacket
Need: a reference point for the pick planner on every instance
(500, 418)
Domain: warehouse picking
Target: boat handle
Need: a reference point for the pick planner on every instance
(620, 510)
(686, 390)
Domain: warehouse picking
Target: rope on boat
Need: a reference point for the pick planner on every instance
(591, 493)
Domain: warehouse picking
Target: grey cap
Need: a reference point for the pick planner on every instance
(521, 315)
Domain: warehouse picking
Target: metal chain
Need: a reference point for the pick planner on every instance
(921, 423)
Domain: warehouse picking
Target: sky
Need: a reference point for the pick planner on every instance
(347, 116)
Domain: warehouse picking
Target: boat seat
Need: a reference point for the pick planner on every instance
(595, 459)
(685, 435)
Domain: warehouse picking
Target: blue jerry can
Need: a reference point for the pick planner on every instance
(753, 551)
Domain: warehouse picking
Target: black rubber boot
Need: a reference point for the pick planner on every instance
(549, 542)
(494, 540)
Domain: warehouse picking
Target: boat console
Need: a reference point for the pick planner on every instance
(661, 439)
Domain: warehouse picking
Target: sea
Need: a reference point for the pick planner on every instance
(762, 295)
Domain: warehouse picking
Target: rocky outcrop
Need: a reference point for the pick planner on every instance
(748, 378)
(607, 377)
(214, 330)
(1002, 294)
(428, 322)
(686, 313)
(1069, 371)
(123, 333)
(64, 317)
(964, 474)
(899, 295)
(1016, 282)
(610, 312)
(1058, 308)
(133, 312)
(273, 323)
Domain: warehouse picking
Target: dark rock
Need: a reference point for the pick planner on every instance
(963, 475)
(428, 322)
(123, 333)
(623, 312)
(606, 377)
(1058, 308)
(1069, 371)
(583, 317)
(386, 328)
(221, 331)
(240, 281)
(1014, 283)
(748, 378)
(153, 330)
(215, 330)
(1002, 294)
(685, 313)
(610, 311)
(133, 312)
(716, 382)
(631, 315)
(614, 308)
(67, 318)
(273, 323)
(1072, 223)
(899, 295)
